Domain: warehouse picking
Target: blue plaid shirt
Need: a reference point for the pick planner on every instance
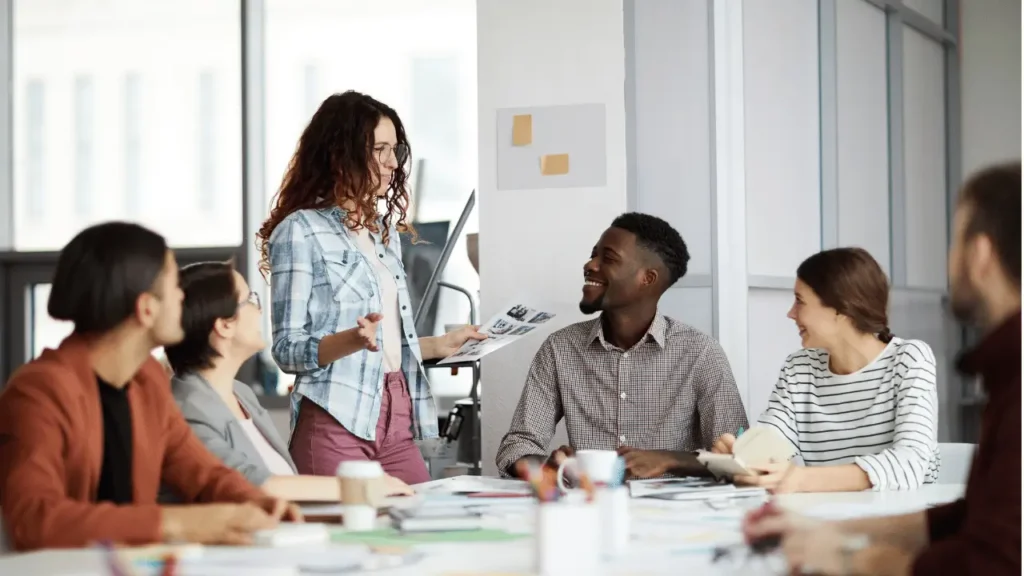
(321, 284)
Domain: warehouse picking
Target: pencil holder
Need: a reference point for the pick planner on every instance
(613, 505)
(568, 539)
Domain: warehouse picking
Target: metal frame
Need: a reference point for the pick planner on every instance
(6, 125)
(828, 98)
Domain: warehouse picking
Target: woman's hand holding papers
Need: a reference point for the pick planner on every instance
(776, 477)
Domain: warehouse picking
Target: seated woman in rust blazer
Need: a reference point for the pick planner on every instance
(89, 431)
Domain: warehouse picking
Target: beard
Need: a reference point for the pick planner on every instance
(964, 302)
(589, 308)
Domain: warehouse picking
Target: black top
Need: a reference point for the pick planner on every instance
(116, 471)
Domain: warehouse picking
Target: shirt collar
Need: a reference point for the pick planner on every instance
(997, 355)
(657, 331)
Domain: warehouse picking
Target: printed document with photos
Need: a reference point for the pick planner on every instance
(515, 321)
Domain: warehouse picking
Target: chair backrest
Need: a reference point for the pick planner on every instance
(956, 462)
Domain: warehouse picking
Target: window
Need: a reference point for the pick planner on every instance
(132, 144)
(88, 133)
(311, 96)
(924, 153)
(35, 145)
(45, 332)
(85, 155)
(207, 141)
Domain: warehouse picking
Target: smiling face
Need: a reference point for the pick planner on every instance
(385, 142)
(818, 325)
(616, 274)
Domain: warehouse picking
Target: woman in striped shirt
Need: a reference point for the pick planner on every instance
(859, 404)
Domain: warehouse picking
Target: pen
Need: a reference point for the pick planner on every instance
(170, 564)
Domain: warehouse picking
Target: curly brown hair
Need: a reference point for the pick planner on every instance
(335, 154)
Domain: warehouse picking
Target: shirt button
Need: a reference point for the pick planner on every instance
(403, 307)
(381, 255)
(623, 395)
(622, 439)
(625, 354)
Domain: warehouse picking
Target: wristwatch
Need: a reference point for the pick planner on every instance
(850, 546)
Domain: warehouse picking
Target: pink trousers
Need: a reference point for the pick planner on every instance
(319, 443)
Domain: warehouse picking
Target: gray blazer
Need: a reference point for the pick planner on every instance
(221, 432)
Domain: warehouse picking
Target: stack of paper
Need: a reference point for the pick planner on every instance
(689, 489)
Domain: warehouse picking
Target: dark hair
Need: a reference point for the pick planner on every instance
(993, 195)
(852, 282)
(333, 163)
(210, 294)
(659, 237)
(102, 272)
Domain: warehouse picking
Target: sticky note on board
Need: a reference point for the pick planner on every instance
(522, 130)
(554, 164)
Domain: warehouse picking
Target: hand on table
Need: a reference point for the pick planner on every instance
(560, 455)
(230, 524)
(366, 331)
(280, 510)
(809, 546)
(776, 477)
(395, 487)
(648, 463)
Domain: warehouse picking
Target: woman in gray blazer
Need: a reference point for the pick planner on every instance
(221, 320)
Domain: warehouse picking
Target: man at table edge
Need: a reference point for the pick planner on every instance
(631, 379)
(89, 431)
(981, 532)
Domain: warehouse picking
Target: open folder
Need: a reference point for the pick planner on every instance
(758, 446)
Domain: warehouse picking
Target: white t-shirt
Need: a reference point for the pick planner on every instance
(391, 325)
(883, 418)
(276, 463)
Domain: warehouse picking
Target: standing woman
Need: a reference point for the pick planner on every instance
(341, 312)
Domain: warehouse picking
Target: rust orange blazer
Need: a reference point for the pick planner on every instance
(51, 450)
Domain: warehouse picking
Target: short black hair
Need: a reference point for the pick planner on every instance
(993, 195)
(102, 272)
(659, 237)
(210, 294)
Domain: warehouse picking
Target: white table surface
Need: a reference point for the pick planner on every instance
(652, 551)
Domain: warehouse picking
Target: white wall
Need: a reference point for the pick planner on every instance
(533, 243)
(990, 81)
(783, 175)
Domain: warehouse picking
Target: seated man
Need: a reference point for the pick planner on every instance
(631, 379)
(89, 431)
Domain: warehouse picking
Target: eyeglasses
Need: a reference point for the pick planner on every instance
(253, 298)
(383, 152)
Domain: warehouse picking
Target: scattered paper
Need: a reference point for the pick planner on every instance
(522, 130)
(516, 321)
(554, 164)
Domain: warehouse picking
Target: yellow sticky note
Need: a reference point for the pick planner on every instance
(522, 130)
(554, 164)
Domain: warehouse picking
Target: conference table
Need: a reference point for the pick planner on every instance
(667, 537)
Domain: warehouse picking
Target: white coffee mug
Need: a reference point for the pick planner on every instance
(360, 491)
(600, 466)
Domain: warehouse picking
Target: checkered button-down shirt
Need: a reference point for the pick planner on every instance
(673, 390)
(321, 283)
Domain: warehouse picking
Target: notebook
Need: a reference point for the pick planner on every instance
(756, 447)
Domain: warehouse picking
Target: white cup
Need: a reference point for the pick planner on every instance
(360, 491)
(599, 466)
(613, 503)
(568, 539)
